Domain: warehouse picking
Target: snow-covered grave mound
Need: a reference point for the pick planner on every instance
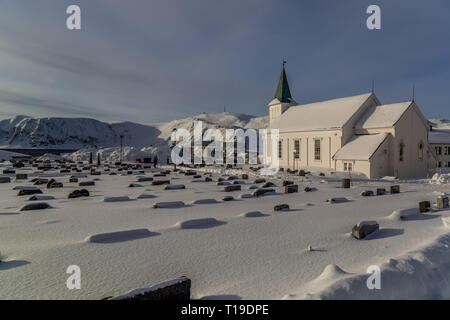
(199, 223)
(146, 196)
(404, 214)
(169, 204)
(40, 197)
(253, 214)
(117, 199)
(119, 236)
(204, 201)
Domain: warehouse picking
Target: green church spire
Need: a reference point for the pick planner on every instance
(283, 93)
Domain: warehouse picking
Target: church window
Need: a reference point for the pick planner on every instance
(447, 150)
(348, 166)
(316, 149)
(438, 150)
(401, 151)
(297, 149)
(420, 155)
(280, 151)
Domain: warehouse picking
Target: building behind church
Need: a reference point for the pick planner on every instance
(355, 133)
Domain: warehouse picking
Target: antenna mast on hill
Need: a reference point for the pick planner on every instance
(414, 92)
(373, 86)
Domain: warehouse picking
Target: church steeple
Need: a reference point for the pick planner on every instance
(283, 93)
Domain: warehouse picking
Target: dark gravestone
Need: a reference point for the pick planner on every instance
(286, 183)
(395, 189)
(281, 207)
(228, 198)
(345, 183)
(35, 206)
(21, 176)
(269, 185)
(5, 179)
(291, 188)
(54, 184)
(261, 192)
(442, 202)
(78, 194)
(27, 192)
(381, 191)
(260, 180)
(234, 187)
(160, 182)
(367, 193)
(424, 206)
(364, 228)
(86, 183)
(244, 176)
(145, 179)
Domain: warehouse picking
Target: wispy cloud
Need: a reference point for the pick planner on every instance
(157, 60)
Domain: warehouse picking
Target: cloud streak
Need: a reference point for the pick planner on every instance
(153, 61)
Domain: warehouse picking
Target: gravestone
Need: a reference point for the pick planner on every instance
(261, 192)
(291, 188)
(5, 179)
(395, 189)
(345, 183)
(364, 228)
(424, 206)
(234, 187)
(281, 207)
(442, 202)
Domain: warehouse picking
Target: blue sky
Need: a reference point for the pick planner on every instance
(158, 60)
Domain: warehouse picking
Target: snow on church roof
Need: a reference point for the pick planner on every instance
(382, 116)
(330, 114)
(361, 147)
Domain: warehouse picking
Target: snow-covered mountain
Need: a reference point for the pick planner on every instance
(75, 133)
(440, 132)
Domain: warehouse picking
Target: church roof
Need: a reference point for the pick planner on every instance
(283, 93)
(325, 115)
(361, 147)
(382, 116)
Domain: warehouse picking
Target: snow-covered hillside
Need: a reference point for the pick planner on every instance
(76, 133)
(440, 132)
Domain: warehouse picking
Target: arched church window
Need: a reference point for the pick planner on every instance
(401, 151)
(420, 155)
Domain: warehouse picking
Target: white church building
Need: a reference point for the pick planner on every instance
(355, 133)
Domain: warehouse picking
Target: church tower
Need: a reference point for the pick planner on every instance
(283, 99)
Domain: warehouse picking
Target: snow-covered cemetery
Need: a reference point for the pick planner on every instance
(224, 159)
(364, 190)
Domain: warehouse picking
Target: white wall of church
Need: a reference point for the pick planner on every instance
(330, 142)
(379, 165)
(410, 131)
